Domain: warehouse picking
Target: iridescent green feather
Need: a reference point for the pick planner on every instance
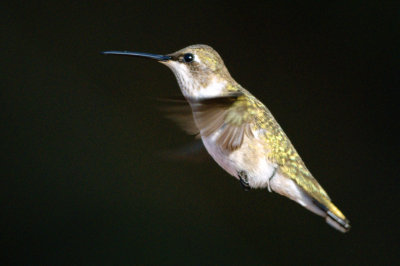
(247, 109)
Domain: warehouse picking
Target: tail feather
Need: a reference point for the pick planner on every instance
(334, 217)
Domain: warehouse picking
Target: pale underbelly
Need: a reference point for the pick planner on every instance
(249, 158)
(260, 172)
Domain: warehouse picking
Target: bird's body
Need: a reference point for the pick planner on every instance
(241, 134)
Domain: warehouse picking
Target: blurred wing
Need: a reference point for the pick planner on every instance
(179, 111)
(228, 114)
(191, 152)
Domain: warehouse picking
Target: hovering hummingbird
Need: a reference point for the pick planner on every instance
(240, 133)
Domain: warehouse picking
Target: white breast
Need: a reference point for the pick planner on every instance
(219, 155)
(249, 158)
(214, 89)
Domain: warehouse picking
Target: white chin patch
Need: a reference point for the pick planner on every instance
(185, 80)
(214, 89)
(190, 86)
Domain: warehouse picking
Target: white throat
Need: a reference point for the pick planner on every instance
(194, 88)
(214, 88)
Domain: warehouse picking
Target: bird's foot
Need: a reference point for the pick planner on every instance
(244, 180)
(270, 178)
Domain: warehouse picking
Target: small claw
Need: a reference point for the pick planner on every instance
(270, 178)
(244, 180)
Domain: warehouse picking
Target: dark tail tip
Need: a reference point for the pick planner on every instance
(342, 225)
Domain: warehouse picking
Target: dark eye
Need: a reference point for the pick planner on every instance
(188, 57)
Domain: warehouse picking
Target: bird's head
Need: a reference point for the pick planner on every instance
(200, 71)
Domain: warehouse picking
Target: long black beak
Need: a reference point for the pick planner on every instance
(145, 55)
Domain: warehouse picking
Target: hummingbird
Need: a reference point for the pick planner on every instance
(240, 133)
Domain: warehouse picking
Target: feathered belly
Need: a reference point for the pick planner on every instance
(219, 155)
(251, 157)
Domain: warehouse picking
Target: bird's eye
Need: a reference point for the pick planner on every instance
(188, 57)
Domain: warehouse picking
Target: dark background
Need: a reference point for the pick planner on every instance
(82, 179)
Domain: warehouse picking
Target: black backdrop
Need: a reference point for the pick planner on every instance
(82, 179)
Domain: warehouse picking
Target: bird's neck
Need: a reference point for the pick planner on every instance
(213, 87)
